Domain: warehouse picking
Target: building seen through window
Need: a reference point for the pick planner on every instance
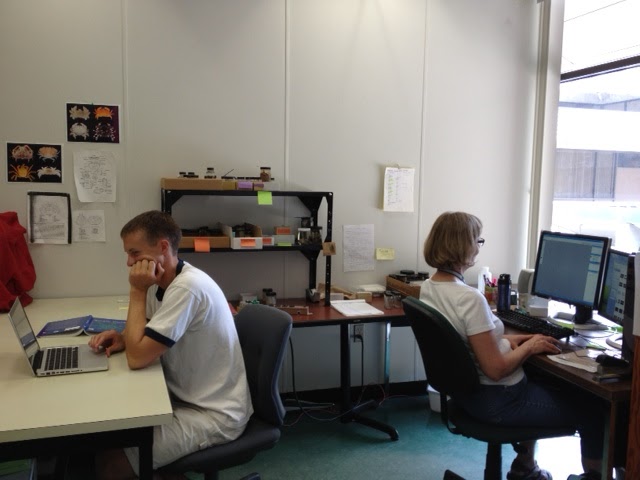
(597, 165)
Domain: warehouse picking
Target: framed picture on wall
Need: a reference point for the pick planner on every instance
(34, 163)
(88, 122)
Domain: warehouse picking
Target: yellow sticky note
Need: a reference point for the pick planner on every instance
(264, 198)
(385, 253)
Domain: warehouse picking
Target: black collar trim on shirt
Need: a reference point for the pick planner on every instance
(160, 291)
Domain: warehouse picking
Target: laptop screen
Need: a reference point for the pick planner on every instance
(23, 329)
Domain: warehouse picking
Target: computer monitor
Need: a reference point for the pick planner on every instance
(570, 268)
(614, 287)
(617, 299)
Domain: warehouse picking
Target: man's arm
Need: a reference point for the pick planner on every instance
(141, 350)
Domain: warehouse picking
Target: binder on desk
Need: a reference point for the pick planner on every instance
(88, 324)
(355, 308)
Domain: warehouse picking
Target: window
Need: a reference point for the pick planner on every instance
(597, 165)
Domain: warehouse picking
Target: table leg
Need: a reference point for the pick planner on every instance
(387, 354)
(349, 412)
(145, 455)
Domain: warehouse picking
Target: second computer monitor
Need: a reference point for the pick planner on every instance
(614, 287)
(570, 268)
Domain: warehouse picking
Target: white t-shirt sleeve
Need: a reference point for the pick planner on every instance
(474, 312)
(173, 318)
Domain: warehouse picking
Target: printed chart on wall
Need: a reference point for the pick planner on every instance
(95, 176)
(34, 162)
(49, 217)
(88, 226)
(87, 122)
(398, 189)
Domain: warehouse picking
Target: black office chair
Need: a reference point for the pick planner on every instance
(451, 371)
(264, 332)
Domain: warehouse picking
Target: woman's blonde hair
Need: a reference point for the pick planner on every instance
(452, 240)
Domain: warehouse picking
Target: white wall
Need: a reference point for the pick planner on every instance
(325, 92)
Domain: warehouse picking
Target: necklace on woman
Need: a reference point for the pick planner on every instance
(458, 275)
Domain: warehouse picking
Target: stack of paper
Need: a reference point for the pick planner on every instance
(578, 359)
(355, 308)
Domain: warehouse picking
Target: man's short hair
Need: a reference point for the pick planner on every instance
(452, 240)
(156, 225)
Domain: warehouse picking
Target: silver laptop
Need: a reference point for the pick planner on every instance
(53, 360)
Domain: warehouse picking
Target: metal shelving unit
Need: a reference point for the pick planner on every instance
(311, 200)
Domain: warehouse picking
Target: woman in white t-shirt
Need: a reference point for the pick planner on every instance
(506, 395)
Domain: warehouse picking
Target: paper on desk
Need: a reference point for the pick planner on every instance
(578, 359)
(355, 308)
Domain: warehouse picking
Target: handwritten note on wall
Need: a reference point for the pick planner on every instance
(398, 189)
(358, 248)
(95, 176)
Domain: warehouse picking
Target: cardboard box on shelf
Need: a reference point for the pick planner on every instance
(282, 230)
(181, 183)
(406, 289)
(284, 240)
(253, 242)
(215, 241)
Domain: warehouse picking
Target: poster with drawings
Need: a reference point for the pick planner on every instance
(34, 163)
(88, 226)
(87, 122)
(49, 217)
(95, 176)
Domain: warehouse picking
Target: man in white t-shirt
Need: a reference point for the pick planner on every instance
(178, 314)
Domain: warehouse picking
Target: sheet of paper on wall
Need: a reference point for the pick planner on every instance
(358, 248)
(49, 217)
(88, 226)
(95, 175)
(398, 189)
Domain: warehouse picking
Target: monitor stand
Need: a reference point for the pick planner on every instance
(583, 314)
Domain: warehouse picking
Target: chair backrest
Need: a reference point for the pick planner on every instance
(447, 361)
(264, 332)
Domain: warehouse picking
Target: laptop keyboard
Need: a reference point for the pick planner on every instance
(62, 358)
(529, 324)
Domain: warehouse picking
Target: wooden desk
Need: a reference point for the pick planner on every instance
(80, 412)
(322, 315)
(616, 394)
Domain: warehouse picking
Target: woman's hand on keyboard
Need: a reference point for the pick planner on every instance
(541, 344)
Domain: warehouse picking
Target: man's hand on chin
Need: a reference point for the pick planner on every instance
(145, 273)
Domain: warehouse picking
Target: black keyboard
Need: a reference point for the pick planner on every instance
(529, 324)
(62, 358)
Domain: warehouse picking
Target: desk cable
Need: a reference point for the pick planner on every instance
(588, 338)
(305, 410)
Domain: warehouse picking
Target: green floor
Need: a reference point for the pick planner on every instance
(319, 449)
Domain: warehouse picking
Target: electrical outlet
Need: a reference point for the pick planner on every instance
(358, 332)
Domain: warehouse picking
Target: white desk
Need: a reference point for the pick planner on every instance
(85, 411)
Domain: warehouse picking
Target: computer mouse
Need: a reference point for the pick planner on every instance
(610, 361)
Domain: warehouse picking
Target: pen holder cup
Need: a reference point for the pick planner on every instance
(491, 294)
